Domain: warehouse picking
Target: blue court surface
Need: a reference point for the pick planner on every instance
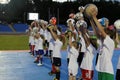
(18, 65)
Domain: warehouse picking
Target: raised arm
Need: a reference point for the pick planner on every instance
(86, 37)
(70, 38)
(99, 26)
(96, 31)
(54, 35)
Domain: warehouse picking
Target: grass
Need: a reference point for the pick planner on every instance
(14, 42)
(17, 42)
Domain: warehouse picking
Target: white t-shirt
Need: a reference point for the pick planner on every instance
(73, 65)
(118, 65)
(40, 44)
(68, 48)
(87, 62)
(68, 51)
(82, 41)
(99, 42)
(51, 41)
(57, 48)
(46, 34)
(41, 31)
(36, 45)
(104, 63)
(49, 37)
(31, 38)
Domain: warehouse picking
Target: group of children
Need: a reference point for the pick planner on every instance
(81, 47)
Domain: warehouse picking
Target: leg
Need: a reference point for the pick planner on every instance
(118, 74)
(37, 58)
(32, 49)
(57, 73)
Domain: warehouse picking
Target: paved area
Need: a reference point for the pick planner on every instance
(18, 65)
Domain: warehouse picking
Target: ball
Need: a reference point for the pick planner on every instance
(78, 16)
(89, 9)
(81, 24)
(117, 24)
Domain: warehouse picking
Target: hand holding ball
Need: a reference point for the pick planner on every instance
(50, 27)
(90, 10)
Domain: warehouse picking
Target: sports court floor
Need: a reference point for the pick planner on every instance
(18, 65)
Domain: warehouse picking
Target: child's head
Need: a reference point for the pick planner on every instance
(76, 44)
(104, 22)
(37, 35)
(111, 31)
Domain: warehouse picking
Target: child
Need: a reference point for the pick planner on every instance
(33, 30)
(52, 22)
(68, 47)
(45, 34)
(56, 52)
(40, 48)
(104, 65)
(73, 65)
(87, 62)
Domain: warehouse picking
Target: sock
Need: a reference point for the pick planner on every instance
(33, 53)
(37, 58)
(46, 51)
(41, 59)
(32, 47)
(50, 51)
(53, 68)
(58, 75)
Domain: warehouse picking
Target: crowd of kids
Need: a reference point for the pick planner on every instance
(46, 39)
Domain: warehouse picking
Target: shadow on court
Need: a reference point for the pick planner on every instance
(18, 65)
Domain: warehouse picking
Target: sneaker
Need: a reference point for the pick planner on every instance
(30, 52)
(55, 79)
(80, 78)
(39, 64)
(51, 73)
(46, 55)
(36, 61)
(32, 55)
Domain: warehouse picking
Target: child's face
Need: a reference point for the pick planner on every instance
(75, 44)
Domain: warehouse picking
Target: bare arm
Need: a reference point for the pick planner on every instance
(99, 26)
(54, 35)
(117, 39)
(70, 39)
(96, 32)
(86, 38)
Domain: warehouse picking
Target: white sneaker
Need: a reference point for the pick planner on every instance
(39, 64)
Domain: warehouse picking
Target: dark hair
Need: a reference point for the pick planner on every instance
(111, 30)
